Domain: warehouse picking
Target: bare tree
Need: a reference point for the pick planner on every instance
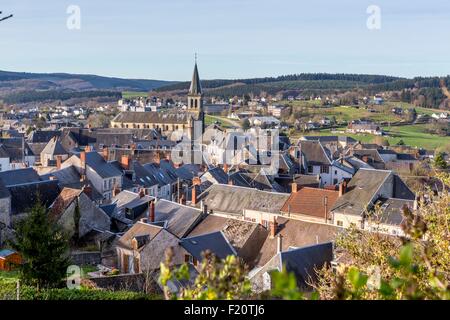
(4, 18)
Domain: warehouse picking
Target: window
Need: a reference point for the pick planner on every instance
(324, 169)
(335, 172)
(340, 223)
(310, 169)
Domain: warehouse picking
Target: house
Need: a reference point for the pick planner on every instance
(372, 157)
(242, 203)
(363, 192)
(9, 259)
(303, 262)
(132, 205)
(167, 180)
(20, 153)
(370, 128)
(316, 160)
(53, 154)
(91, 218)
(103, 176)
(311, 204)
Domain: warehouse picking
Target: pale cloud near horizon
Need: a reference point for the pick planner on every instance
(234, 39)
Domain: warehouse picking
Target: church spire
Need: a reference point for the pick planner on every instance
(196, 87)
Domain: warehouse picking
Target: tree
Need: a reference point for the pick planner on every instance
(439, 161)
(217, 279)
(416, 266)
(246, 124)
(401, 143)
(44, 248)
(98, 120)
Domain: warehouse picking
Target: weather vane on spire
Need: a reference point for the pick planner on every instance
(4, 18)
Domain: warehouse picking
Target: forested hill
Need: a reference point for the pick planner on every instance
(22, 81)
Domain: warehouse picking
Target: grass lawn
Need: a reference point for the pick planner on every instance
(413, 135)
(131, 94)
(10, 275)
(224, 122)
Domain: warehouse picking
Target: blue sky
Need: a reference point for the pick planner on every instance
(234, 38)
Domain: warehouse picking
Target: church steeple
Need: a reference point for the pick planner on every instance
(195, 94)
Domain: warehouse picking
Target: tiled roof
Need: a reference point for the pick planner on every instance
(138, 229)
(152, 117)
(311, 202)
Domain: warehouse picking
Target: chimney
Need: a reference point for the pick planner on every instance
(230, 182)
(88, 149)
(115, 191)
(88, 190)
(279, 244)
(194, 195)
(225, 168)
(83, 159)
(141, 193)
(365, 159)
(126, 162)
(342, 188)
(273, 225)
(58, 162)
(196, 181)
(144, 220)
(151, 211)
(105, 153)
(294, 187)
(182, 199)
(134, 244)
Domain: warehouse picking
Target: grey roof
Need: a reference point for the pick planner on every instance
(371, 153)
(160, 174)
(4, 193)
(217, 174)
(98, 164)
(152, 117)
(361, 190)
(43, 136)
(54, 147)
(215, 242)
(14, 148)
(392, 210)
(188, 171)
(24, 196)
(233, 199)
(406, 157)
(180, 219)
(67, 176)
(314, 153)
(196, 87)
(19, 176)
(307, 180)
(304, 262)
(3, 152)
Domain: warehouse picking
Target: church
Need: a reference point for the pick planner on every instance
(171, 123)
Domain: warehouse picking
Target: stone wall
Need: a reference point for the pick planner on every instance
(86, 258)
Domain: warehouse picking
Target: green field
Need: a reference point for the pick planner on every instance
(412, 135)
(132, 95)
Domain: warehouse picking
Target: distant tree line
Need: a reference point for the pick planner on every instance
(37, 96)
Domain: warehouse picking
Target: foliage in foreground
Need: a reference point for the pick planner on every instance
(44, 249)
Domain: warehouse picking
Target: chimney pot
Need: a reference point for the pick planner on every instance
(294, 187)
(152, 211)
(273, 228)
(58, 162)
(194, 195)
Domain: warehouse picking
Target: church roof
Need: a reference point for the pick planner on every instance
(196, 87)
(152, 117)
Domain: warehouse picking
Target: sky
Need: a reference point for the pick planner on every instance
(152, 39)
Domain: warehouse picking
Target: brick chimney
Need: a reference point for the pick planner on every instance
(105, 153)
(83, 158)
(182, 199)
(194, 195)
(273, 225)
(134, 244)
(225, 168)
(115, 191)
(58, 162)
(151, 211)
(279, 244)
(342, 188)
(365, 159)
(88, 191)
(141, 193)
(125, 161)
(196, 181)
(294, 187)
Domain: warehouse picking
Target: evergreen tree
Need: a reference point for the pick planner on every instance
(44, 248)
(439, 161)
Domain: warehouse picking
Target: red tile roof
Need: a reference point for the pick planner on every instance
(311, 202)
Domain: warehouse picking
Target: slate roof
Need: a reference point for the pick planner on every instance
(19, 176)
(314, 153)
(54, 147)
(196, 87)
(14, 148)
(214, 242)
(138, 229)
(152, 117)
(24, 196)
(67, 177)
(311, 202)
(304, 262)
(303, 180)
(217, 174)
(296, 233)
(160, 174)
(180, 219)
(43, 136)
(233, 199)
(98, 164)
(392, 210)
